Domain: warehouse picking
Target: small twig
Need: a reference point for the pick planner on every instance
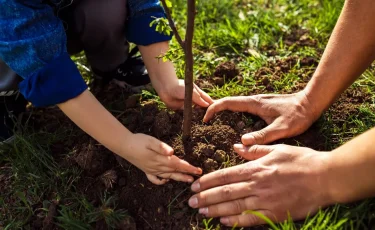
(172, 25)
(146, 221)
(120, 115)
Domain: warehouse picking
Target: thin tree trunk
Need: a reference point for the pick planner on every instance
(189, 70)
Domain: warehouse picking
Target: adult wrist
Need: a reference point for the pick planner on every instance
(320, 96)
(334, 182)
(307, 102)
(323, 186)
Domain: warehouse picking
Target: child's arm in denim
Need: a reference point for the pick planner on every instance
(141, 14)
(33, 44)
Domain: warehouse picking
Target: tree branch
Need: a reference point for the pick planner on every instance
(172, 25)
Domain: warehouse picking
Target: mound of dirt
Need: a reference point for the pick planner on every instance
(165, 207)
(227, 70)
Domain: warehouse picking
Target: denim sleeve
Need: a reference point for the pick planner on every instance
(138, 28)
(33, 44)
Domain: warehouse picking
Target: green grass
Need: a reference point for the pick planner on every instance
(238, 30)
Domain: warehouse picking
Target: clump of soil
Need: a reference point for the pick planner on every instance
(220, 156)
(299, 37)
(224, 72)
(227, 70)
(210, 165)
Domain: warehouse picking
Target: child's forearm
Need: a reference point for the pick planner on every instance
(162, 73)
(86, 112)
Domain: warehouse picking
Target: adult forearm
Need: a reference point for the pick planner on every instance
(351, 168)
(350, 50)
(86, 112)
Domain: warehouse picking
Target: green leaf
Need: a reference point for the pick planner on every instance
(168, 3)
(263, 217)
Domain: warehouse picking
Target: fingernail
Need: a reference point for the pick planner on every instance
(195, 187)
(193, 202)
(224, 220)
(203, 211)
(190, 180)
(238, 146)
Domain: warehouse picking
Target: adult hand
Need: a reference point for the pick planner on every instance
(287, 180)
(286, 115)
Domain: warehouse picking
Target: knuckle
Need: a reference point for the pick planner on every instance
(260, 137)
(282, 148)
(256, 99)
(148, 145)
(226, 192)
(245, 172)
(235, 221)
(238, 206)
(252, 219)
(254, 149)
(223, 177)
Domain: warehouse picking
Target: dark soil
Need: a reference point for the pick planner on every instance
(165, 207)
(225, 72)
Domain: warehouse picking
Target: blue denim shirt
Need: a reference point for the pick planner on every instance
(33, 44)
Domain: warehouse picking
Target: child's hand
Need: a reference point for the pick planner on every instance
(152, 156)
(164, 79)
(156, 159)
(174, 95)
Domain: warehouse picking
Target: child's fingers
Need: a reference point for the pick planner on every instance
(159, 147)
(155, 180)
(178, 177)
(197, 99)
(204, 95)
(183, 166)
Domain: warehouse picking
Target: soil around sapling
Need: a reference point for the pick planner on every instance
(165, 207)
(210, 147)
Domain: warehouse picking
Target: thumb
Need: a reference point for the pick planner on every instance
(159, 147)
(267, 135)
(253, 152)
